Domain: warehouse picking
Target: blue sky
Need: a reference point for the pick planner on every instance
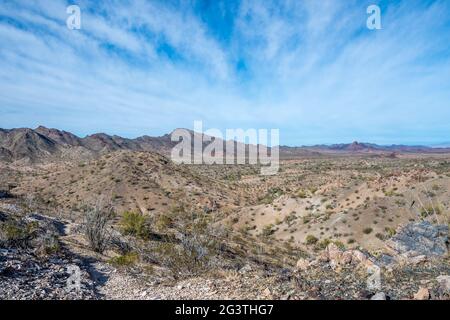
(309, 68)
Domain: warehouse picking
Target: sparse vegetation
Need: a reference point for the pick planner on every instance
(125, 260)
(97, 226)
(135, 224)
(311, 240)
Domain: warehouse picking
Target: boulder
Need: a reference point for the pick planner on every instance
(358, 256)
(334, 253)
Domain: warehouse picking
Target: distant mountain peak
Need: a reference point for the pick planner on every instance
(44, 143)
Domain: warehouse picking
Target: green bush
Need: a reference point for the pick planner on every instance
(339, 244)
(268, 231)
(311, 240)
(430, 210)
(15, 233)
(380, 236)
(390, 231)
(48, 244)
(323, 244)
(125, 260)
(134, 224)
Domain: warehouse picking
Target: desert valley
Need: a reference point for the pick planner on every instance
(348, 221)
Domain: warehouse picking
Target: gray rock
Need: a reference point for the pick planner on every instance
(385, 260)
(444, 282)
(421, 238)
(245, 269)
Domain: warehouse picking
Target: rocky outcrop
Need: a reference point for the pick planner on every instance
(420, 239)
(338, 257)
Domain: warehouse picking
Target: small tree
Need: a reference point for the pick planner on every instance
(98, 226)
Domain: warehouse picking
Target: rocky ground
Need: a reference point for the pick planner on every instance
(332, 274)
(24, 276)
(40, 254)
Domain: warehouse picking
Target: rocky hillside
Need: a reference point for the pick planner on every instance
(44, 144)
(38, 256)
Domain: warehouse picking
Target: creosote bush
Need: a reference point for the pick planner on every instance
(135, 224)
(97, 226)
(311, 240)
(125, 260)
(16, 233)
(196, 250)
(430, 210)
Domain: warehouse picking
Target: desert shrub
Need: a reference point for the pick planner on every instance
(302, 194)
(271, 195)
(126, 260)
(311, 240)
(135, 224)
(339, 244)
(390, 231)
(325, 242)
(97, 226)
(197, 249)
(163, 222)
(367, 230)
(290, 219)
(379, 236)
(267, 231)
(313, 190)
(16, 233)
(430, 210)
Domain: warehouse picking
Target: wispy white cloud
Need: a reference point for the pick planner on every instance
(314, 71)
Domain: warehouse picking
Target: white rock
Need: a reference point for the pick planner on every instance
(379, 296)
(358, 256)
(245, 269)
(302, 264)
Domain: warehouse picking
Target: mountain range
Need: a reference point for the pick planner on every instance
(35, 145)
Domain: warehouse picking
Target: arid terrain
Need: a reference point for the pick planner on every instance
(139, 226)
